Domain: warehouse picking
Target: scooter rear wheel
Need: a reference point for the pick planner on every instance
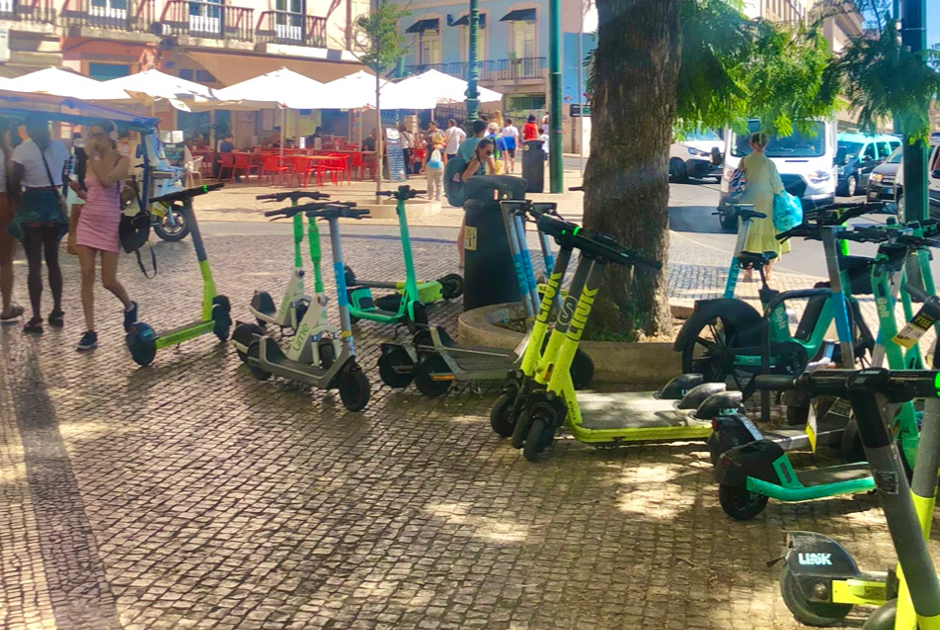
(582, 369)
(424, 371)
(396, 368)
(221, 308)
(254, 353)
(327, 353)
(354, 389)
(741, 504)
(814, 614)
(452, 286)
(541, 435)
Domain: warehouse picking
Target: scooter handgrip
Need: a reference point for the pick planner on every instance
(916, 292)
(774, 383)
(188, 193)
(576, 188)
(355, 213)
(268, 196)
(416, 191)
(286, 212)
(385, 193)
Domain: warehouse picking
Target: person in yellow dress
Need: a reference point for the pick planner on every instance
(762, 183)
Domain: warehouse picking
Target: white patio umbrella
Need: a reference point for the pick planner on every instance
(68, 84)
(435, 87)
(152, 84)
(280, 89)
(355, 91)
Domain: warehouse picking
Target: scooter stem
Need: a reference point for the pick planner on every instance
(313, 241)
(411, 287)
(343, 303)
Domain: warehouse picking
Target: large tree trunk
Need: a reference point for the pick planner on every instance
(626, 187)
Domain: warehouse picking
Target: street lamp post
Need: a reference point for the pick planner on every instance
(914, 154)
(473, 102)
(555, 97)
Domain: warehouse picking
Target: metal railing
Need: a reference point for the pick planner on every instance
(285, 27)
(489, 70)
(124, 15)
(209, 20)
(37, 11)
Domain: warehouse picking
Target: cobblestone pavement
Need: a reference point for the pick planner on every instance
(189, 494)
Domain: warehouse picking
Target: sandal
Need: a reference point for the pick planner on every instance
(56, 319)
(33, 326)
(12, 313)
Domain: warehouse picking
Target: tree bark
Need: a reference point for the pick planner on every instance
(626, 185)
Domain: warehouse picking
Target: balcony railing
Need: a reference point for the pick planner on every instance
(284, 27)
(37, 11)
(489, 70)
(208, 20)
(119, 15)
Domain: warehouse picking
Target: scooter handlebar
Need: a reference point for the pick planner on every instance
(290, 211)
(344, 210)
(898, 385)
(293, 196)
(404, 192)
(774, 383)
(865, 234)
(189, 193)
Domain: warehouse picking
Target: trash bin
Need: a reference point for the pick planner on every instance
(534, 166)
(489, 275)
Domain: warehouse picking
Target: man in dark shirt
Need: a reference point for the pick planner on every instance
(369, 144)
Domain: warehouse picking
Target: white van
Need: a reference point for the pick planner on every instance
(805, 162)
(934, 187)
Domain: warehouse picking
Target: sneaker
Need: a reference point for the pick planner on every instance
(88, 342)
(130, 316)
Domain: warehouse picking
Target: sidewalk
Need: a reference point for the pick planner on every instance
(190, 495)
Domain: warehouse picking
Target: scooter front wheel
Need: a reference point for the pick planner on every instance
(452, 286)
(500, 420)
(141, 340)
(243, 335)
(540, 436)
(354, 389)
(254, 355)
(814, 614)
(582, 369)
(741, 504)
(222, 320)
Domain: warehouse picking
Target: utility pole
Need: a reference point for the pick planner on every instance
(914, 154)
(555, 96)
(473, 102)
(581, 88)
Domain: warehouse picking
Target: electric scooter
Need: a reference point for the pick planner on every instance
(141, 339)
(751, 473)
(439, 361)
(723, 337)
(315, 341)
(265, 357)
(820, 582)
(407, 306)
(295, 302)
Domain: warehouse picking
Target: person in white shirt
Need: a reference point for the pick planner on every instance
(453, 137)
(511, 136)
(11, 310)
(408, 144)
(40, 223)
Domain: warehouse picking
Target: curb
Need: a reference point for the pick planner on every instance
(650, 364)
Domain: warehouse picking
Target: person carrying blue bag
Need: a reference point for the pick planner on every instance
(762, 184)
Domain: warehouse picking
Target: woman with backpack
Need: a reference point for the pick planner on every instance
(97, 229)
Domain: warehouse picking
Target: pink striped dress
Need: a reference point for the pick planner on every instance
(101, 215)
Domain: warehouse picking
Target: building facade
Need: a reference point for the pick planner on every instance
(512, 46)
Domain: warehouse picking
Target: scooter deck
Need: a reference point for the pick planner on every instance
(833, 475)
(482, 358)
(281, 365)
(637, 410)
(796, 439)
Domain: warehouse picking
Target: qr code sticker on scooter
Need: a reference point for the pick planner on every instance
(886, 481)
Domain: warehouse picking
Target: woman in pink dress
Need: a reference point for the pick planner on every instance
(100, 183)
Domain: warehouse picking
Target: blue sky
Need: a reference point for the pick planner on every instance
(934, 18)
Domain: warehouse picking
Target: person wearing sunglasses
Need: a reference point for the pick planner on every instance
(482, 163)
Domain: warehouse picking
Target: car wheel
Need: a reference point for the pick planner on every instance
(678, 171)
(851, 186)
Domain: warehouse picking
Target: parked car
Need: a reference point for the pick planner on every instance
(857, 155)
(697, 154)
(933, 185)
(881, 184)
(806, 163)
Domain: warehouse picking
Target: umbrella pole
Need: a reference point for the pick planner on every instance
(281, 143)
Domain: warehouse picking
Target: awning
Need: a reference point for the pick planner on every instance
(465, 21)
(520, 15)
(232, 68)
(424, 25)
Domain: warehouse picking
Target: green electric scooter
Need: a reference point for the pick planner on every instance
(141, 339)
(408, 305)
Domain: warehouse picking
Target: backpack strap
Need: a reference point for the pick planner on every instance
(153, 260)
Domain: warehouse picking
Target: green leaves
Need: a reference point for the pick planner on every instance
(378, 37)
(883, 79)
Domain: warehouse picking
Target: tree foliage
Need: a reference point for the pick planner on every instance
(881, 78)
(377, 35)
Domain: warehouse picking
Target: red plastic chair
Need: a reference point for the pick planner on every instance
(305, 168)
(358, 163)
(245, 165)
(341, 165)
(274, 169)
(226, 166)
